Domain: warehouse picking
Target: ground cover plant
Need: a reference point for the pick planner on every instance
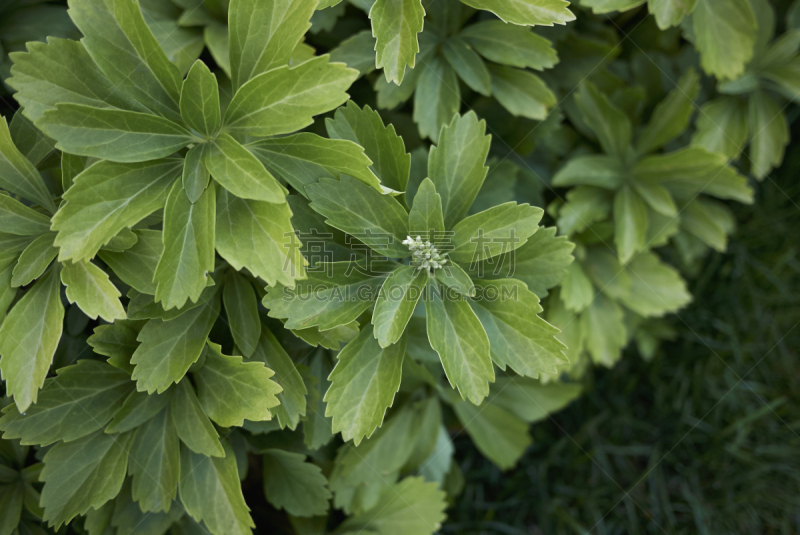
(264, 264)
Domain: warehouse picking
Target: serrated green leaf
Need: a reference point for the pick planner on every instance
(137, 409)
(456, 334)
(122, 241)
(591, 170)
(89, 287)
(188, 257)
(116, 341)
(769, 134)
(231, 391)
(263, 34)
(357, 52)
(670, 13)
(238, 171)
(107, 198)
(395, 25)
(722, 126)
(154, 463)
(34, 260)
(426, 213)
(292, 484)
(196, 177)
(241, 307)
(656, 288)
(16, 218)
(397, 300)
(113, 134)
(610, 124)
(168, 348)
(293, 396)
(725, 34)
(29, 337)
(200, 100)
(330, 339)
(17, 173)
(530, 399)
(318, 428)
(510, 45)
(603, 328)
(497, 433)
(521, 92)
(436, 99)
(630, 223)
(657, 197)
(468, 65)
(193, 426)
(527, 12)
(495, 231)
(259, 236)
(285, 99)
(704, 219)
(136, 266)
(671, 116)
(82, 474)
(80, 400)
(577, 291)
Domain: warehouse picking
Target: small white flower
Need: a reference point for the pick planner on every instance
(424, 255)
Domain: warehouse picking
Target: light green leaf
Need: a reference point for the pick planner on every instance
(137, 409)
(456, 333)
(456, 165)
(436, 99)
(188, 258)
(521, 92)
(454, 277)
(318, 428)
(531, 400)
(34, 260)
(211, 493)
(670, 13)
(511, 45)
(601, 7)
(216, 39)
(154, 463)
(725, 35)
(630, 223)
(357, 52)
(468, 65)
(82, 474)
(119, 41)
(363, 385)
(518, 337)
(264, 33)
(193, 426)
(107, 198)
(196, 177)
(16, 218)
(395, 26)
(426, 213)
(610, 124)
(238, 171)
(71, 166)
(769, 134)
(259, 236)
(18, 175)
(285, 99)
(657, 197)
(526, 12)
(292, 484)
(89, 287)
(577, 291)
(80, 400)
(396, 302)
(656, 288)
(363, 126)
(708, 221)
(168, 348)
(112, 134)
(28, 339)
(497, 433)
(591, 170)
(200, 100)
(116, 341)
(498, 230)
(357, 209)
(603, 328)
(231, 391)
(136, 266)
(293, 396)
(672, 115)
(241, 307)
(722, 126)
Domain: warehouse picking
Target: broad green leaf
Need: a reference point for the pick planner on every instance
(36, 147)
(231, 391)
(456, 333)
(17, 173)
(725, 35)
(317, 428)
(188, 258)
(508, 44)
(61, 71)
(154, 463)
(28, 339)
(119, 41)
(577, 291)
(200, 100)
(495, 231)
(264, 33)
(193, 426)
(168, 348)
(454, 277)
(238, 171)
(468, 65)
(293, 395)
(357, 52)
(137, 409)
(630, 223)
(657, 197)
(670, 13)
(396, 302)
(527, 12)
(89, 287)
(704, 219)
(769, 134)
(34, 260)
(603, 329)
(671, 116)
(521, 92)
(107, 198)
(532, 400)
(7, 292)
(518, 337)
(411, 506)
(259, 236)
(351, 206)
(426, 213)
(436, 99)
(211, 493)
(80, 400)
(11, 246)
(722, 126)
(304, 158)
(16, 218)
(241, 308)
(591, 170)
(82, 474)
(294, 485)
(116, 341)
(497, 433)
(122, 241)
(364, 126)
(395, 26)
(136, 266)
(216, 39)
(610, 124)
(363, 385)
(12, 503)
(285, 99)
(333, 294)
(112, 134)
(456, 165)
(656, 288)
(196, 177)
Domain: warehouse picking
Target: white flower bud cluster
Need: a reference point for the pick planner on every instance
(424, 254)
